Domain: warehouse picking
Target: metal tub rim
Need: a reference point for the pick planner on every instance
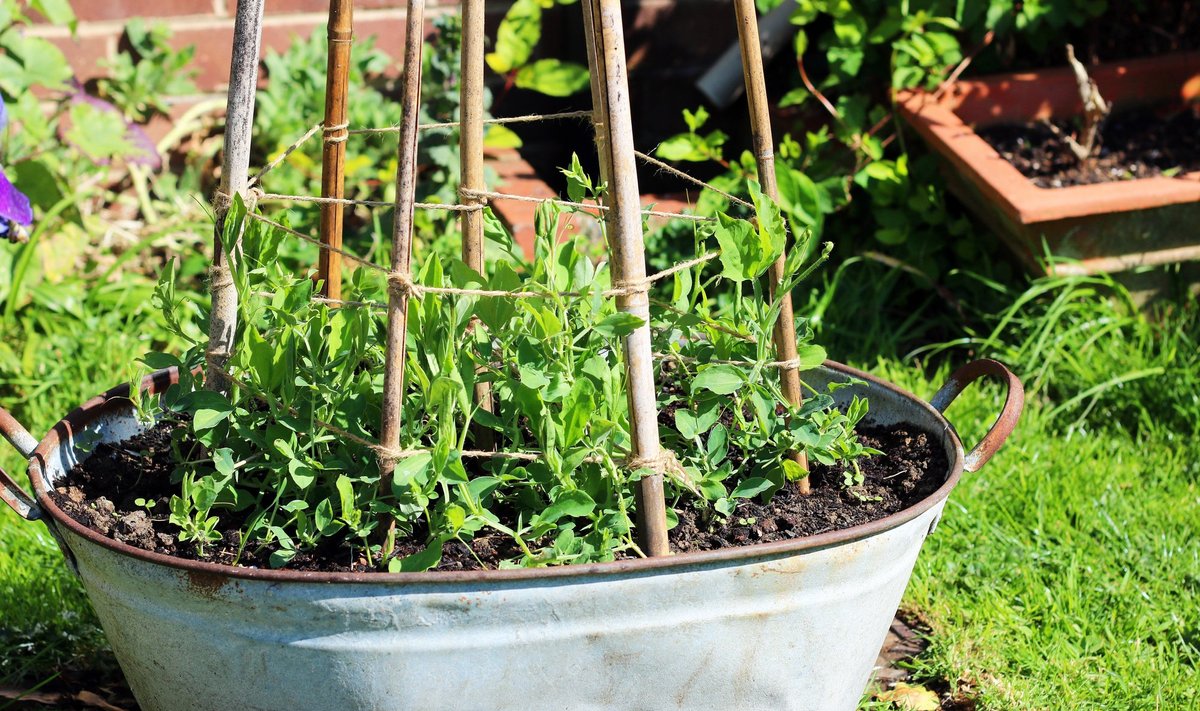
(117, 398)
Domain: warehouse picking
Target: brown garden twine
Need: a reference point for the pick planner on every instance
(337, 133)
(528, 118)
(666, 463)
(345, 131)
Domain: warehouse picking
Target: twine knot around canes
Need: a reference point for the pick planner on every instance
(223, 201)
(403, 285)
(665, 464)
(338, 133)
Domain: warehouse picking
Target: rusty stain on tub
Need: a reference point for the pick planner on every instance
(206, 583)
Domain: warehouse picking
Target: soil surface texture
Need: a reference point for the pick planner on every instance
(1140, 143)
(123, 491)
(911, 468)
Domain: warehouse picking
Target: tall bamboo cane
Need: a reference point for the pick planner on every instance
(764, 156)
(235, 170)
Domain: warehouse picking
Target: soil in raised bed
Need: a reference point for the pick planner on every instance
(102, 492)
(1140, 143)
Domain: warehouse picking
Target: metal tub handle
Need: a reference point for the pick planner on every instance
(10, 491)
(1014, 402)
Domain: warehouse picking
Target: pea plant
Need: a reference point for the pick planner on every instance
(288, 458)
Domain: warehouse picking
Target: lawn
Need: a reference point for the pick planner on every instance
(1065, 574)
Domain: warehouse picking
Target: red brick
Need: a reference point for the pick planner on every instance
(123, 10)
(283, 7)
(213, 39)
(85, 52)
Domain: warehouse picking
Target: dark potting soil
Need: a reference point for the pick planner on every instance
(1140, 143)
(911, 468)
(102, 493)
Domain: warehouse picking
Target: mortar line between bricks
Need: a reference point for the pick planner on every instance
(179, 23)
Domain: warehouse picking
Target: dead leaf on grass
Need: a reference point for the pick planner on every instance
(87, 697)
(911, 697)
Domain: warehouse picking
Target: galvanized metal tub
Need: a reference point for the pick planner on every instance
(790, 625)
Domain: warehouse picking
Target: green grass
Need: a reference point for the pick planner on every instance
(1065, 574)
(67, 344)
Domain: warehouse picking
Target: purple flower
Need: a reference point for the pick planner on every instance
(15, 212)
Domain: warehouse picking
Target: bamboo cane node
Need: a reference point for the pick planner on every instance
(220, 276)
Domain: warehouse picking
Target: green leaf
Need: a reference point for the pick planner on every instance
(515, 39)
(579, 183)
(41, 63)
(496, 313)
(208, 409)
(553, 77)
(420, 561)
(532, 377)
(411, 469)
(569, 503)
(618, 325)
(345, 489)
(456, 516)
(161, 361)
(719, 379)
(223, 461)
(499, 136)
(281, 558)
(494, 230)
(794, 97)
(323, 516)
(302, 474)
(810, 356)
(751, 487)
(38, 181)
(799, 196)
(58, 12)
(685, 422)
(579, 408)
(695, 120)
(99, 134)
(733, 236)
(793, 471)
(771, 228)
(683, 147)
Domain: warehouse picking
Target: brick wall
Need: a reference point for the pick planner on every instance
(208, 24)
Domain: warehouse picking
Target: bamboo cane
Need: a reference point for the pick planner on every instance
(401, 272)
(470, 150)
(235, 169)
(764, 156)
(333, 152)
(610, 83)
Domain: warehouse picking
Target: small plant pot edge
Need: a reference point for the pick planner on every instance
(1106, 227)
